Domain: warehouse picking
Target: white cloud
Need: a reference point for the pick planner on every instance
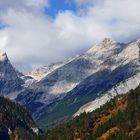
(80, 2)
(37, 3)
(5, 4)
(32, 39)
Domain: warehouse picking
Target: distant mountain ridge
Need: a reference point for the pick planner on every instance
(82, 79)
(57, 91)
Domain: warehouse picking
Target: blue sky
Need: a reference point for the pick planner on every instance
(2, 26)
(57, 6)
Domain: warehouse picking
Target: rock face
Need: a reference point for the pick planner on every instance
(9, 80)
(83, 78)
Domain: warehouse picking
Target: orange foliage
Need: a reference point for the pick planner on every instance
(110, 132)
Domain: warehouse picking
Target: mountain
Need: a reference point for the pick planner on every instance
(116, 120)
(55, 92)
(16, 123)
(40, 73)
(10, 82)
(62, 92)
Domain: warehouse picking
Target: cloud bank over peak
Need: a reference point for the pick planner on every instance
(32, 38)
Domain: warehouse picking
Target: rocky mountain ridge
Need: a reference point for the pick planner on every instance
(83, 79)
(75, 82)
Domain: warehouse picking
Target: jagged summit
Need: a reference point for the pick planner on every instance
(107, 41)
(105, 45)
(3, 56)
(9, 80)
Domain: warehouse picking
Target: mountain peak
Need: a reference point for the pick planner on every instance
(3, 56)
(107, 42)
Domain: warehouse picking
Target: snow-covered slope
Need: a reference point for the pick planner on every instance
(65, 78)
(106, 55)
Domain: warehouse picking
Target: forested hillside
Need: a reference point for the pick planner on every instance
(118, 119)
(16, 122)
